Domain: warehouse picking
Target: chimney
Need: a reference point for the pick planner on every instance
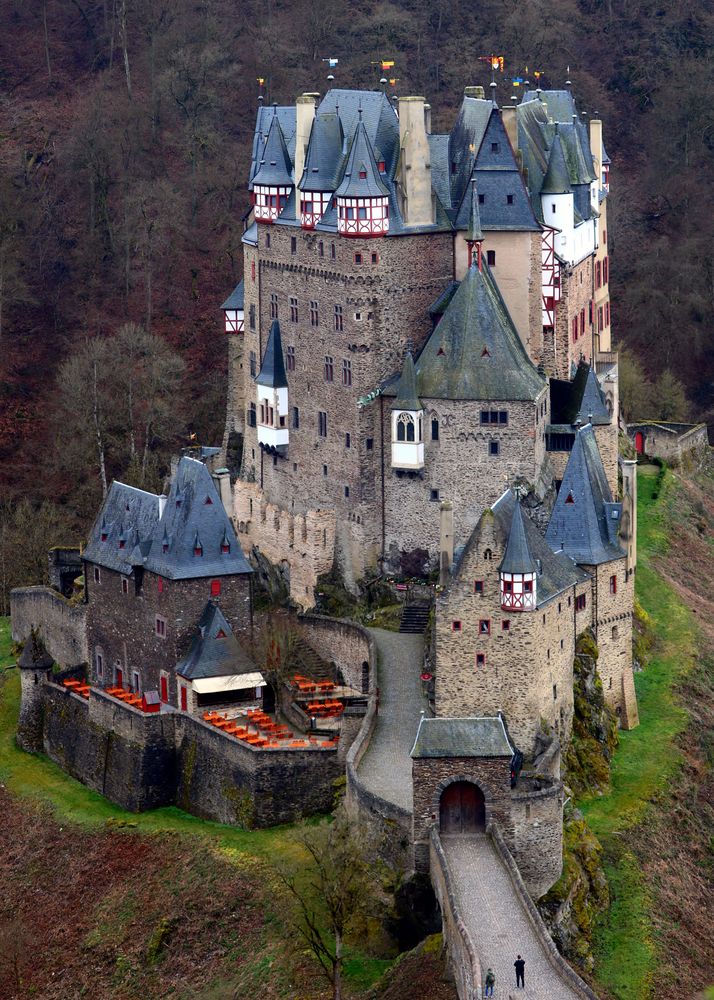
(304, 115)
(222, 479)
(477, 92)
(162, 505)
(510, 123)
(596, 145)
(427, 118)
(414, 163)
(628, 519)
(446, 543)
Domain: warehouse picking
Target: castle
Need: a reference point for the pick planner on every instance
(421, 383)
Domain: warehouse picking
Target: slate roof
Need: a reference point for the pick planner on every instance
(473, 231)
(288, 126)
(213, 654)
(585, 520)
(475, 352)
(378, 118)
(272, 370)
(517, 557)
(557, 178)
(193, 514)
(479, 737)
(360, 160)
(275, 166)
(438, 306)
(236, 298)
(465, 141)
(325, 154)
(407, 398)
(578, 399)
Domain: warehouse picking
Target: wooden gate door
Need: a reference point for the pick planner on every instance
(639, 443)
(119, 677)
(462, 808)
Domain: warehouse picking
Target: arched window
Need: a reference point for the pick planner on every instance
(405, 427)
(488, 555)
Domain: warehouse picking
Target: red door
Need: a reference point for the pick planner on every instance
(120, 677)
(164, 689)
(462, 808)
(183, 699)
(639, 443)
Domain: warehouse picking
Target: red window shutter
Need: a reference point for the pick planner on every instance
(184, 700)
(215, 588)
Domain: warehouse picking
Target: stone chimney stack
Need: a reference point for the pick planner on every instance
(628, 521)
(415, 163)
(427, 118)
(222, 479)
(162, 504)
(478, 92)
(304, 115)
(596, 145)
(510, 123)
(446, 543)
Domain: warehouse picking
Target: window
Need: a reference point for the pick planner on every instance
(253, 364)
(494, 417)
(528, 587)
(615, 632)
(97, 575)
(99, 660)
(296, 418)
(605, 269)
(293, 309)
(607, 314)
(604, 235)
(555, 692)
(251, 316)
(267, 239)
(493, 448)
(135, 681)
(329, 369)
(582, 319)
(293, 244)
(273, 305)
(482, 199)
(405, 427)
(215, 588)
(495, 147)
(484, 626)
(613, 584)
(347, 491)
(290, 358)
(456, 626)
(369, 444)
(478, 586)
(358, 256)
(184, 699)
(491, 258)
(314, 314)
(433, 494)
(321, 249)
(375, 258)
(506, 625)
(338, 319)
(322, 423)
(346, 372)
(124, 585)
(569, 498)
(580, 602)
(381, 166)
(333, 254)
(553, 207)
(348, 440)
(480, 659)
(160, 627)
(252, 416)
(600, 318)
(575, 329)
(488, 555)
(598, 274)
(434, 430)
(509, 199)
(164, 687)
(507, 586)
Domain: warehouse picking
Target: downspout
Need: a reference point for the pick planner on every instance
(381, 435)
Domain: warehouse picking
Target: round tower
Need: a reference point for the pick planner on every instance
(35, 665)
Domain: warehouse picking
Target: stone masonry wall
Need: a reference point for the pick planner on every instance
(463, 958)
(528, 670)
(346, 644)
(612, 623)
(62, 626)
(576, 295)
(606, 436)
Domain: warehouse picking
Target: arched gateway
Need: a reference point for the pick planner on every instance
(462, 808)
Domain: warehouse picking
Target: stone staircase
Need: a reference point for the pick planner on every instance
(415, 617)
(304, 660)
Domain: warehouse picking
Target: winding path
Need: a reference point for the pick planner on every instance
(497, 922)
(386, 768)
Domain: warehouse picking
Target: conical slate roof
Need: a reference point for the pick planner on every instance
(215, 651)
(473, 233)
(272, 370)
(324, 154)
(360, 160)
(475, 351)
(517, 557)
(585, 521)
(557, 177)
(275, 169)
(407, 398)
(236, 298)
(593, 409)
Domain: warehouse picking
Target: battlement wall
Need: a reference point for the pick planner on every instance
(62, 626)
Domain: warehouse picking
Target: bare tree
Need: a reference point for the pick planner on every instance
(274, 654)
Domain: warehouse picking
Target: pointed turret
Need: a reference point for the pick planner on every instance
(518, 569)
(474, 236)
(322, 168)
(362, 196)
(407, 421)
(557, 177)
(272, 394)
(273, 180)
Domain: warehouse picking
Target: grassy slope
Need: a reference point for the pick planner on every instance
(647, 759)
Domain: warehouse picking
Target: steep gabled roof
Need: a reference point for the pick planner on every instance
(272, 370)
(127, 519)
(464, 143)
(264, 118)
(236, 298)
(407, 398)
(214, 651)
(377, 116)
(275, 167)
(361, 178)
(585, 520)
(475, 352)
(593, 409)
(517, 557)
(325, 154)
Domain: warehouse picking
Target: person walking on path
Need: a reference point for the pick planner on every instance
(490, 983)
(520, 966)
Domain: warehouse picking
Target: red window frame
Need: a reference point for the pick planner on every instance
(164, 688)
(484, 626)
(184, 699)
(160, 627)
(215, 588)
(613, 584)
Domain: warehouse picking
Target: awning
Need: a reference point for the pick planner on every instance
(229, 682)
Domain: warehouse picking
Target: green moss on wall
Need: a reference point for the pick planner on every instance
(242, 805)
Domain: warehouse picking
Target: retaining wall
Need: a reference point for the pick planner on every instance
(462, 956)
(61, 625)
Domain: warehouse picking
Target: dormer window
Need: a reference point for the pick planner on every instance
(220, 634)
(103, 536)
(198, 550)
(363, 175)
(381, 166)
(225, 548)
(569, 498)
(122, 543)
(165, 547)
(208, 501)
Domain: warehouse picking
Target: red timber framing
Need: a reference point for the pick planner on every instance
(362, 216)
(268, 202)
(234, 320)
(550, 278)
(313, 205)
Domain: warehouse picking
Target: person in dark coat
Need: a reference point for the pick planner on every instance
(520, 966)
(490, 983)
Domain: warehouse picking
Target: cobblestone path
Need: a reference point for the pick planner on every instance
(498, 924)
(386, 768)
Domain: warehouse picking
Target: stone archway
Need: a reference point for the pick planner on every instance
(462, 808)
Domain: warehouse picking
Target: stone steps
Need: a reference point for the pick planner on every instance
(304, 660)
(415, 618)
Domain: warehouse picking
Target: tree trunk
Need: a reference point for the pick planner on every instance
(337, 968)
(124, 44)
(98, 431)
(47, 41)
